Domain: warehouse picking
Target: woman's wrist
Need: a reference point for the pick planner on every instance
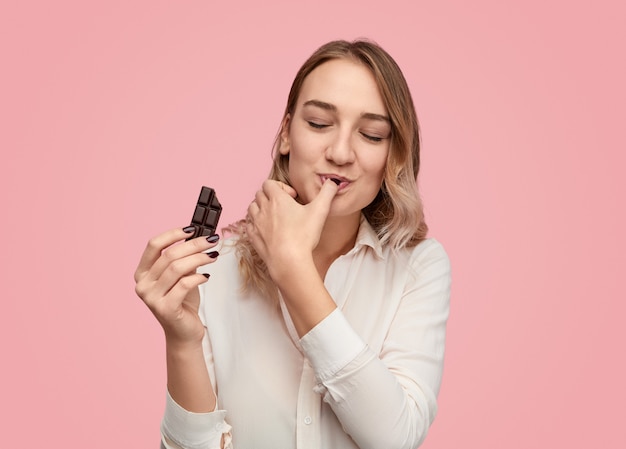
(182, 348)
(283, 269)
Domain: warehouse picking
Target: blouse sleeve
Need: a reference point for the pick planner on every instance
(181, 429)
(388, 399)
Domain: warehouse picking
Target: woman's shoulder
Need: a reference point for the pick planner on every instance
(428, 245)
(429, 251)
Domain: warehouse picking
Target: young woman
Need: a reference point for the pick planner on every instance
(322, 324)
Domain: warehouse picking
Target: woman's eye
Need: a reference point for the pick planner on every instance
(372, 138)
(316, 125)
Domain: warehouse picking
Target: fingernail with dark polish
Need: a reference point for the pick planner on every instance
(213, 254)
(206, 275)
(189, 229)
(213, 238)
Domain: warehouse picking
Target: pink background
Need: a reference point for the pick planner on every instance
(114, 113)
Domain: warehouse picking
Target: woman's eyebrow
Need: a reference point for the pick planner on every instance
(372, 116)
(331, 107)
(321, 104)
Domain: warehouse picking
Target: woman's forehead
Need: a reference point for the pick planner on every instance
(344, 84)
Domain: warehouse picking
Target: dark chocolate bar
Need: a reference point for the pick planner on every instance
(207, 213)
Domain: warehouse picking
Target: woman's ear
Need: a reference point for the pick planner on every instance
(284, 136)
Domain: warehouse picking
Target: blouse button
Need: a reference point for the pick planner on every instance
(307, 420)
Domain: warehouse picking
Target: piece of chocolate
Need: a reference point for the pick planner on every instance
(207, 213)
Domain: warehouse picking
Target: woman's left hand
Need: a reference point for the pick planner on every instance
(284, 231)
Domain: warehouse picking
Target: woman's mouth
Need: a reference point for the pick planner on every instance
(341, 182)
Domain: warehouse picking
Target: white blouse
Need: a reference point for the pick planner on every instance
(366, 377)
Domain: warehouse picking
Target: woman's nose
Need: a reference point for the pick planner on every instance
(340, 151)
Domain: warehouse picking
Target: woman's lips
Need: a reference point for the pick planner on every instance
(341, 182)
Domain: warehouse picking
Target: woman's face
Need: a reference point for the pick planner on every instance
(339, 129)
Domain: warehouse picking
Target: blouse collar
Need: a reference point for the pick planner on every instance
(366, 236)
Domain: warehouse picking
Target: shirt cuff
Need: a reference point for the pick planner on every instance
(193, 430)
(331, 345)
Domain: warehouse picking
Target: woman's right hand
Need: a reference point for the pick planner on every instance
(166, 281)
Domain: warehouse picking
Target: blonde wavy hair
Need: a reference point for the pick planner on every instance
(396, 214)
